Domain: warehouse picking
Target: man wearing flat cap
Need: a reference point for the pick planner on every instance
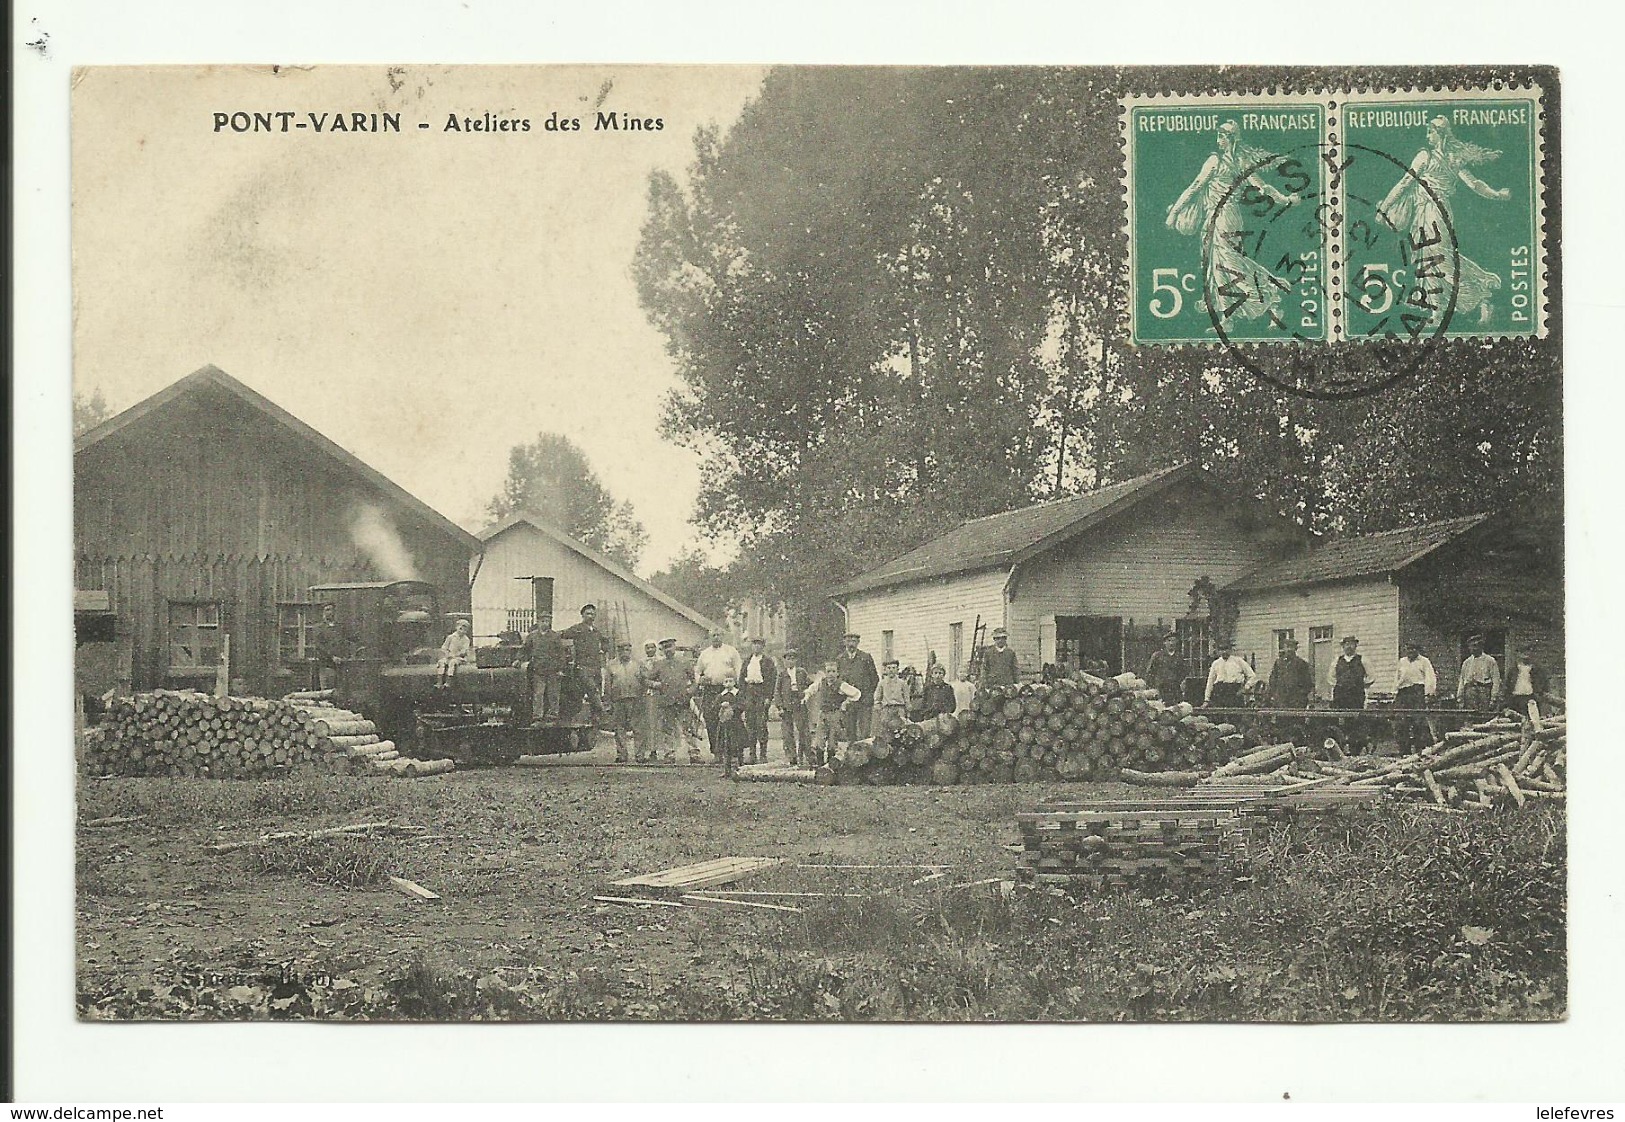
(672, 679)
(1480, 679)
(857, 669)
(793, 682)
(999, 666)
(1229, 677)
(1348, 677)
(1291, 679)
(757, 681)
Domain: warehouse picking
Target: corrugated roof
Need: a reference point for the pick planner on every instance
(1366, 556)
(211, 375)
(537, 522)
(1005, 539)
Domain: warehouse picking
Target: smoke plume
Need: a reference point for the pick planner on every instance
(375, 535)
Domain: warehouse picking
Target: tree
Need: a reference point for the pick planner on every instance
(88, 412)
(894, 301)
(691, 578)
(551, 477)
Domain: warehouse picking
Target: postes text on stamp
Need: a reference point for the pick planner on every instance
(1229, 219)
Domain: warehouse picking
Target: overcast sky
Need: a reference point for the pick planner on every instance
(427, 299)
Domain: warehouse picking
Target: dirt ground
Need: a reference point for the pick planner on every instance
(516, 854)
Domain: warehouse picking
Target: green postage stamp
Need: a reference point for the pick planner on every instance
(1333, 217)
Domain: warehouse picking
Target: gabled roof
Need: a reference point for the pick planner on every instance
(212, 376)
(1016, 535)
(537, 522)
(1369, 555)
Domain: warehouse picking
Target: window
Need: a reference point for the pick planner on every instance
(956, 650)
(1193, 635)
(1283, 635)
(194, 634)
(521, 620)
(888, 641)
(1320, 656)
(297, 628)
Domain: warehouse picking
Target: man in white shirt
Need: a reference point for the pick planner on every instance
(714, 666)
(756, 686)
(1414, 685)
(1480, 680)
(1228, 678)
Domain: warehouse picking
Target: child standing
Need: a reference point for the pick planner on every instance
(827, 700)
(891, 698)
(732, 736)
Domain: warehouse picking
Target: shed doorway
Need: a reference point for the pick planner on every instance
(1080, 640)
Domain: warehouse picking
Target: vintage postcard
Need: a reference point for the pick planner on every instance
(819, 544)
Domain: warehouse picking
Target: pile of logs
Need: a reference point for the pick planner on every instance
(187, 733)
(1088, 728)
(1499, 762)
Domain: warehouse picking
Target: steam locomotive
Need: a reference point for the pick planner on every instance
(383, 638)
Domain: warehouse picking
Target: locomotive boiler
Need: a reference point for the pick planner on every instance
(383, 639)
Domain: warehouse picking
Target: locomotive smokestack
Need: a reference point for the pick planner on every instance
(374, 534)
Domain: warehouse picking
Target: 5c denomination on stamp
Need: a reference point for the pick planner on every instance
(1229, 225)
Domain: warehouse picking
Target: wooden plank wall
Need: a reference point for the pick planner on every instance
(211, 500)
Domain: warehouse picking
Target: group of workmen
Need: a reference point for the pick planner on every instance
(672, 696)
(1232, 681)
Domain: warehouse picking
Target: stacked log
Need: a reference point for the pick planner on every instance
(1495, 763)
(185, 733)
(1083, 728)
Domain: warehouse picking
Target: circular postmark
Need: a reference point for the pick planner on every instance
(1398, 278)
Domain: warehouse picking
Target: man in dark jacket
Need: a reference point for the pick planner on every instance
(1348, 677)
(999, 666)
(543, 656)
(758, 679)
(1165, 673)
(1291, 680)
(939, 695)
(792, 684)
(857, 669)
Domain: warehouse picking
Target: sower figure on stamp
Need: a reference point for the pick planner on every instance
(1480, 681)
(790, 697)
(1415, 202)
(1213, 197)
(627, 686)
(756, 687)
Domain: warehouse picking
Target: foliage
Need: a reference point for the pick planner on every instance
(88, 412)
(709, 589)
(551, 477)
(894, 300)
(345, 861)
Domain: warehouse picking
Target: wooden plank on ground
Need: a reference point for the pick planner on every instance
(412, 889)
(696, 898)
(704, 874)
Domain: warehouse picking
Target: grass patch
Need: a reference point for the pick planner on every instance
(342, 860)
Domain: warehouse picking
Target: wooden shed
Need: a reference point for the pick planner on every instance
(1098, 576)
(207, 512)
(1434, 584)
(570, 574)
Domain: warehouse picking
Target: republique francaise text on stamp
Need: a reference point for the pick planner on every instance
(1368, 218)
